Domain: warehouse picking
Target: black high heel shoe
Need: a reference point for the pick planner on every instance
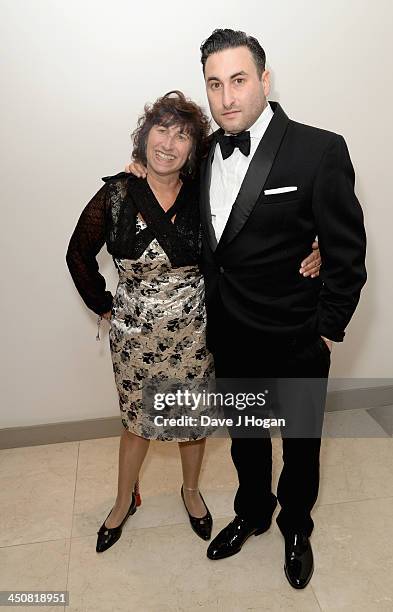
(108, 536)
(201, 526)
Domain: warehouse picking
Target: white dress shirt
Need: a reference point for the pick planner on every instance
(228, 175)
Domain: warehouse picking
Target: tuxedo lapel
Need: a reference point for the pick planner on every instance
(206, 216)
(255, 177)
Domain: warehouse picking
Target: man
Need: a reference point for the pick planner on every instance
(269, 185)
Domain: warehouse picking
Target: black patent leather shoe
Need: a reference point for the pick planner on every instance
(201, 526)
(107, 536)
(299, 562)
(231, 539)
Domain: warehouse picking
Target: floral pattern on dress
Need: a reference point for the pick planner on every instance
(158, 326)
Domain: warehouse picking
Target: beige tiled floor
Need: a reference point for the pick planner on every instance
(53, 498)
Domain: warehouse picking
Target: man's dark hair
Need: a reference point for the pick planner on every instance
(227, 39)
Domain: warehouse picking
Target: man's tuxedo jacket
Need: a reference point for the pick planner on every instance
(252, 275)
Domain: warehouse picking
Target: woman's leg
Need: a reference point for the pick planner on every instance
(191, 459)
(132, 452)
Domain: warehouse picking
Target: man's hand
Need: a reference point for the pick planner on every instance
(136, 168)
(106, 315)
(310, 266)
(329, 343)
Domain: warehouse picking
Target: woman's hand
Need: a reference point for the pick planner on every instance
(310, 266)
(136, 168)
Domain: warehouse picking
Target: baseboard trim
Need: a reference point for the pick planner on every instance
(366, 398)
(53, 433)
(89, 429)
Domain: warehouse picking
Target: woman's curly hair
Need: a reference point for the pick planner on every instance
(174, 109)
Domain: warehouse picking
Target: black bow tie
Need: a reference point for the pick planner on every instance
(229, 143)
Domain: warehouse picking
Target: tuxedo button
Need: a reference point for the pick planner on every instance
(222, 270)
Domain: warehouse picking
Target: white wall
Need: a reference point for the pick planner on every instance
(75, 76)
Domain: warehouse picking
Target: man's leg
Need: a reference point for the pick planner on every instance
(252, 456)
(297, 489)
(301, 402)
(254, 500)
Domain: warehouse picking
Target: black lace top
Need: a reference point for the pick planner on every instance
(110, 217)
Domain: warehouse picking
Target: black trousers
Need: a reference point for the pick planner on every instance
(300, 363)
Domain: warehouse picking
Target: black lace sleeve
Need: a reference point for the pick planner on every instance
(86, 242)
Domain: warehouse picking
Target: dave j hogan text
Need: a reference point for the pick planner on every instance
(205, 420)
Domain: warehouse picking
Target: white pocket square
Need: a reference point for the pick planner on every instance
(279, 190)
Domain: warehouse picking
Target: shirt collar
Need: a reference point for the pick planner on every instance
(258, 128)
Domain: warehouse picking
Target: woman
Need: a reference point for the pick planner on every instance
(151, 229)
